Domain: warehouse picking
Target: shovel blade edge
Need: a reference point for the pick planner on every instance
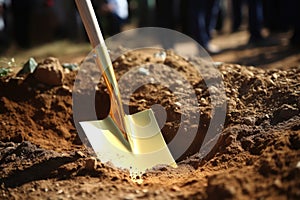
(145, 150)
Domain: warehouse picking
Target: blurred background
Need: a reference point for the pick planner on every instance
(263, 32)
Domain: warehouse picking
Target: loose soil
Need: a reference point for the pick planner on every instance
(257, 155)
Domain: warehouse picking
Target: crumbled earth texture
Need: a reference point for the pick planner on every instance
(257, 155)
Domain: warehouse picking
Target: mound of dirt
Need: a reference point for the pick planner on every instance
(257, 155)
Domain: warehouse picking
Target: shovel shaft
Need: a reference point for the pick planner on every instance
(103, 61)
(89, 20)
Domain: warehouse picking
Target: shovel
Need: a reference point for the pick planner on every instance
(132, 142)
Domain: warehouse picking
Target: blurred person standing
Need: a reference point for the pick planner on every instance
(21, 11)
(45, 21)
(237, 14)
(255, 21)
(167, 16)
(4, 31)
(116, 13)
(146, 14)
(275, 18)
(167, 13)
(281, 15)
(172, 14)
(201, 20)
(294, 7)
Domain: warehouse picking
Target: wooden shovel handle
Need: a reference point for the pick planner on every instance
(90, 22)
(103, 60)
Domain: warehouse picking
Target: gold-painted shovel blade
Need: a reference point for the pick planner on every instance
(147, 146)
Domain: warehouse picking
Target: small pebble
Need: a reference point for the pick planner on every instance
(178, 104)
(90, 163)
(298, 165)
(218, 63)
(278, 183)
(179, 82)
(60, 192)
(128, 197)
(152, 80)
(162, 55)
(81, 154)
(145, 190)
(175, 188)
(249, 121)
(144, 71)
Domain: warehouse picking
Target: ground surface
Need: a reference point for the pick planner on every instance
(256, 157)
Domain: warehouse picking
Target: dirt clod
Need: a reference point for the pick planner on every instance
(284, 113)
(90, 163)
(50, 72)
